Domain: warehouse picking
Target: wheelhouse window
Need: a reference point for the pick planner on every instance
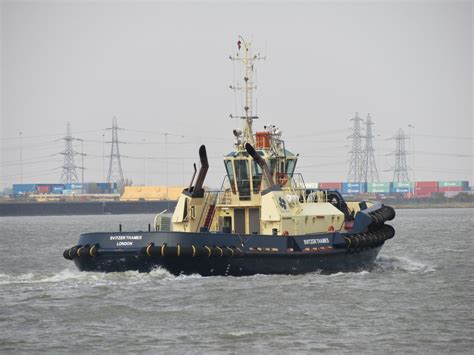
(290, 167)
(272, 165)
(256, 176)
(242, 178)
(230, 173)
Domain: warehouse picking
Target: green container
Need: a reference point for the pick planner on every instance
(451, 183)
(378, 187)
(401, 185)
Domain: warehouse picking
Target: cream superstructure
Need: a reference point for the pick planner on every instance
(261, 193)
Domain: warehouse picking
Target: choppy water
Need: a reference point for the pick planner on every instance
(418, 298)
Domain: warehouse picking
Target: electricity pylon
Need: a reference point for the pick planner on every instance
(115, 173)
(369, 171)
(356, 156)
(400, 172)
(68, 174)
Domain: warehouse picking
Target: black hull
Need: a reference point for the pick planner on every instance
(219, 253)
(227, 254)
(249, 264)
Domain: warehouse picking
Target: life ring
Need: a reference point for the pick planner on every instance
(282, 178)
(331, 228)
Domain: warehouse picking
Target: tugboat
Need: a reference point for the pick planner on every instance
(263, 220)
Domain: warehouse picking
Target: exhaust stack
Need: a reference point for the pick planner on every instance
(261, 162)
(197, 190)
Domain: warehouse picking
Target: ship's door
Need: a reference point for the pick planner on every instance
(254, 220)
(239, 220)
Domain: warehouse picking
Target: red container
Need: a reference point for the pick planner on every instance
(451, 188)
(330, 185)
(426, 184)
(425, 191)
(43, 189)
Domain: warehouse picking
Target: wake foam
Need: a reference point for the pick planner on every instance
(402, 264)
(68, 276)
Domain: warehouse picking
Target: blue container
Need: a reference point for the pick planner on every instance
(23, 189)
(73, 186)
(400, 190)
(354, 187)
(57, 189)
(104, 187)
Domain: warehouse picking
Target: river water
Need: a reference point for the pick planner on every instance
(418, 298)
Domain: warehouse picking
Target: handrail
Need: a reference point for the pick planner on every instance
(158, 215)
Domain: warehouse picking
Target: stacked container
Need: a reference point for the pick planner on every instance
(444, 186)
(378, 187)
(425, 188)
(73, 187)
(43, 189)
(353, 188)
(330, 186)
(23, 189)
(57, 189)
(402, 187)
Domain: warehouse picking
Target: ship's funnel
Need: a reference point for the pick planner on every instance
(197, 190)
(261, 162)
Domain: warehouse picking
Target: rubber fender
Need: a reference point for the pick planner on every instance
(228, 251)
(83, 252)
(355, 241)
(217, 251)
(155, 251)
(73, 251)
(173, 251)
(238, 251)
(67, 255)
(92, 251)
(375, 218)
(391, 213)
(187, 251)
(389, 231)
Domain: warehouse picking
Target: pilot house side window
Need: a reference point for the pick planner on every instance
(242, 178)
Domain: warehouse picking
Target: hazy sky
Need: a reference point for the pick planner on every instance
(163, 68)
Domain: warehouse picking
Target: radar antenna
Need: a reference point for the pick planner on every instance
(248, 60)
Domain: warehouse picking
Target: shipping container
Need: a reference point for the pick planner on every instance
(451, 188)
(353, 187)
(463, 184)
(400, 190)
(425, 191)
(73, 186)
(23, 189)
(57, 189)
(330, 186)
(43, 189)
(378, 187)
(406, 184)
(426, 184)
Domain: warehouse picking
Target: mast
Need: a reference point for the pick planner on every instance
(248, 61)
